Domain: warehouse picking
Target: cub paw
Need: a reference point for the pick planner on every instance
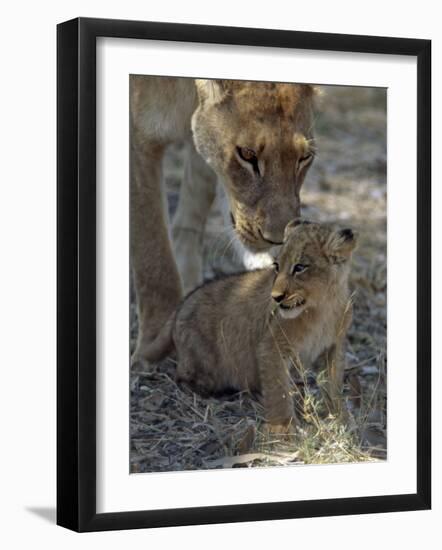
(284, 431)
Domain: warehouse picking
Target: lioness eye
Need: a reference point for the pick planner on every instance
(298, 268)
(248, 155)
(276, 266)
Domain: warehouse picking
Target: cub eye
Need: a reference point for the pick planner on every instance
(306, 158)
(276, 266)
(298, 268)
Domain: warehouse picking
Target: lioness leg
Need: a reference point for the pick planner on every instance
(156, 279)
(196, 197)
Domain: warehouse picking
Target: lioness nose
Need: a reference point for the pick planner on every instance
(272, 237)
(278, 296)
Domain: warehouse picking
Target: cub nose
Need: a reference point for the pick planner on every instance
(278, 296)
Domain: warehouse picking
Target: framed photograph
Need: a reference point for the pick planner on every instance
(243, 274)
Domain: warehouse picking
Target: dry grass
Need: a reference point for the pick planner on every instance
(175, 429)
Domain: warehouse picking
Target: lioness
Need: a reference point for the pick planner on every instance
(241, 332)
(255, 137)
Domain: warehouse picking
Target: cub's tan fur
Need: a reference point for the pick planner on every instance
(241, 332)
(220, 117)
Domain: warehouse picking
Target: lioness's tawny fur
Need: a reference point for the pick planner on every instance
(256, 137)
(242, 331)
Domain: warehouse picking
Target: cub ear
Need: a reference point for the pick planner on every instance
(291, 226)
(310, 90)
(341, 244)
(212, 91)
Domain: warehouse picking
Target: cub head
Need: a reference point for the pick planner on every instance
(313, 262)
(258, 138)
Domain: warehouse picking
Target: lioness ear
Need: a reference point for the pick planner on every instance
(212, 91)
(341, 244)
(292, 225)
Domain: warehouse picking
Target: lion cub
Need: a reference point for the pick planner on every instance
(241, 332)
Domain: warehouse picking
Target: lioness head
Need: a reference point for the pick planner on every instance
(258, 138)
(313, 261)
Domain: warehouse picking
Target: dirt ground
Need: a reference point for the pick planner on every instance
(175, 429)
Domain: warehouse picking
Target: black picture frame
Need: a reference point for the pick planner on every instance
(76, 273)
